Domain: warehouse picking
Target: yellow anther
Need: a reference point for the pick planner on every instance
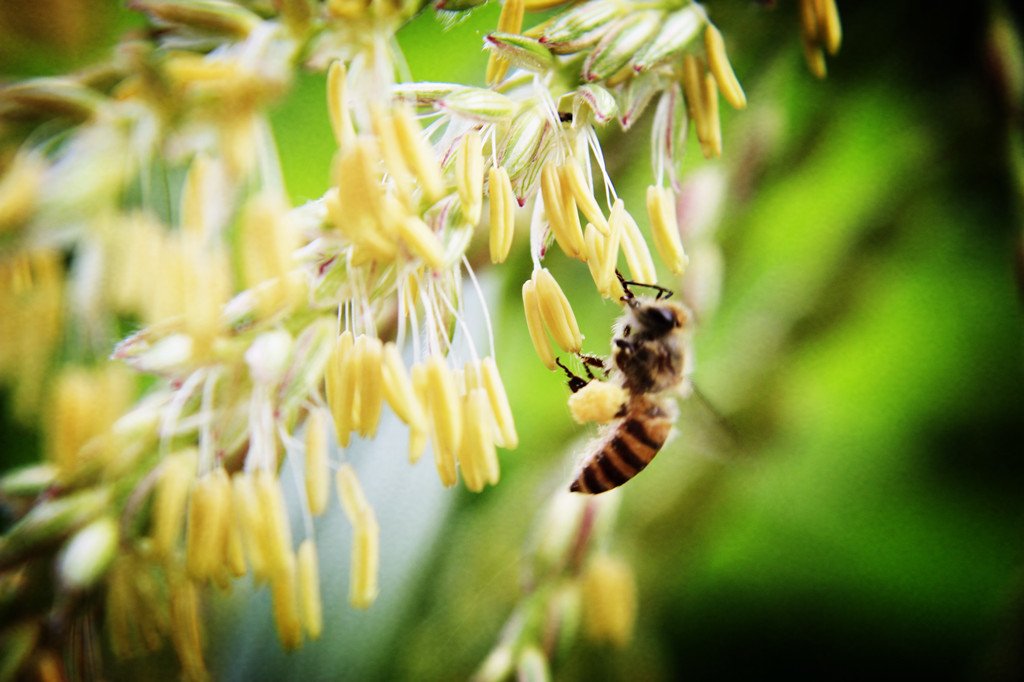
(309, 589)
(535, 324)
(170, 499)
(398, 389)
(341, 386)
(662, 212)
(469, 176)
(445, 410)
(337, 106)
(418, 153)
(477, 456)
(712, 147)
(503, 216)
(557, 313)
(718, 62)
(693, 89)
(350, 494)
(365, 539)
(277, 532)
(565, 228)
(422, 241)
(367, 354)
(574, 179)
(638, 255)
(830, 31)
(251, 519)
(491, 381)
(284, 596)
(365, 566)
(317, 480)
(609, 600)
(390, 149)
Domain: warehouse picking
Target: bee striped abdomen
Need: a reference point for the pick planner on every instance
(627, 447)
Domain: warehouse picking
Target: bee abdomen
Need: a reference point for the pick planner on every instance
(623, 453)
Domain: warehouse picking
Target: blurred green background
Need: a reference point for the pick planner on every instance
(856, 510)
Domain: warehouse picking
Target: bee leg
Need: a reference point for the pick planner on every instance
(592, 361)
(575, 382)
(627, 295)
(663, 292)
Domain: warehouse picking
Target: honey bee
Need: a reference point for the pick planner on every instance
(650, 360)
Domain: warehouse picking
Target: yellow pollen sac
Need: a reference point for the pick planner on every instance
(638, 256)
(251, 519)
(476, 451)
(390, 149)
(309, 589)
(398, 389)
(609, 600)
(277, 532)
(718, 62)
(662, 212)
(234, 552)
(283, 594)
(422, 241)
(337, 105)
(503, 216)
(185, 631)
(368, 354)
(567, 232)
(445, 411)
(204, 539)
(712, 147)
(601, 264)
(535, 324)
(340, 386)
(616, 226)
(365, 539)
(469, 176)
(418, 436)
(170, 499)
(350, 494)
(363, 584)
(574, 179)
(815, 59)
(830, 30)
(557, 313)
(693, 89)
(316, 462)
(418, 153)
(598, 401)
(491, 380)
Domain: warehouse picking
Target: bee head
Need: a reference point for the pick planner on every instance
(658, 318)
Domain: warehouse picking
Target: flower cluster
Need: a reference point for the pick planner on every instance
(262, 325)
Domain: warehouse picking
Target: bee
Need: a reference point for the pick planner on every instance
(650, 359)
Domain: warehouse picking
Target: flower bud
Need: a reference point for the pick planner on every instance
(478, 104)
(675, 34)
(580, 26)
(87, 556)
(621, 44)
